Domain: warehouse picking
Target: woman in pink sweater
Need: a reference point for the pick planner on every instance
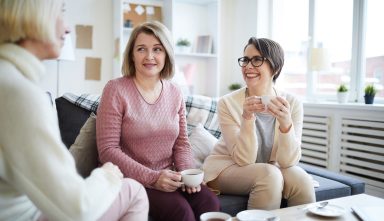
(141, 127)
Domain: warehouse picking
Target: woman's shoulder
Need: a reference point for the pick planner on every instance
(172, 88)
(120, 83)
(236, 96)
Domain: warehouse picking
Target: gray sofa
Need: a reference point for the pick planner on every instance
(74, 111)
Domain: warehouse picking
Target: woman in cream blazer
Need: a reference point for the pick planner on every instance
(261, 127)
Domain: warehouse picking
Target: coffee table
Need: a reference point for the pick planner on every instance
(369, 203)
(364, 201)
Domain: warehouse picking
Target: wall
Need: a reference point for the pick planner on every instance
(240, 20)
(72, 73)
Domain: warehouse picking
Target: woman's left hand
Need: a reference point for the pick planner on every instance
(279, 108)
(191, 189)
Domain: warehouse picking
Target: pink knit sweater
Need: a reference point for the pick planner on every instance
(142, 138)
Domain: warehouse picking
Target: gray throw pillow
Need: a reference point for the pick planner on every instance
(84, 150)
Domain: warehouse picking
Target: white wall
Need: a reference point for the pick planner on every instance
(240, 20)
(72, 73)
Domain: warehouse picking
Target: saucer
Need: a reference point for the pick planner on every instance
(328, 211)
(255, 215)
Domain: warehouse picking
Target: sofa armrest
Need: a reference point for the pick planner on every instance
(357, 186)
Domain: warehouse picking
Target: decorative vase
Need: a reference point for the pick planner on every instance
(369, 99)
(183, 49)
(342, 97)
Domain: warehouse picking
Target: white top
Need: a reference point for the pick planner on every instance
(36, 169)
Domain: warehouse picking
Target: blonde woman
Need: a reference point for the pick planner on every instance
(38, 177)
(260, 146)
(141, 127)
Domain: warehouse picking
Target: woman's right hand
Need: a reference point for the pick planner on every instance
(169, 181)
(252, 105)
(112, 168)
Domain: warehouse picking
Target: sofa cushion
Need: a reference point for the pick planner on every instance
(84, 150)
(232, 204)
(202, 110)
(330, 189)
(71, 119)
(356, 185)
(202, 143)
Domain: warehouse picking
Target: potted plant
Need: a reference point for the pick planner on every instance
(183, 45)
(370, 92)
(234, 86)
(342, 94)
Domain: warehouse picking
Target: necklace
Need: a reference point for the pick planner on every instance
(150, 96)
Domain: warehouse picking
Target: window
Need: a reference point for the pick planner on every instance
(374, 54)
(333, 33)
(320, 48)
(291, 31)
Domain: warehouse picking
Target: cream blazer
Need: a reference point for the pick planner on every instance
(238, 143)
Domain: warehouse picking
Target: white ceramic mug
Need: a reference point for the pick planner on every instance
(266, 99)
(215, 216)
(192, 177)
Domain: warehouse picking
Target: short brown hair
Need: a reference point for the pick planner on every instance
(272, 51)
(163, 35)
(20, 19)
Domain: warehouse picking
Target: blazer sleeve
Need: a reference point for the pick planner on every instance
(289, 144)
(238, 133)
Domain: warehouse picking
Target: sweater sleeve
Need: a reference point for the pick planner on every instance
(36, 162)
(182, 149)
(108, 134)
(238, 133)
(289, 144)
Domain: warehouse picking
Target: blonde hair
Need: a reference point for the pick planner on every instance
(31, 19)
(163, 35)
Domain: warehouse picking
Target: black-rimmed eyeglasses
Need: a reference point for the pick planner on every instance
(256, 61)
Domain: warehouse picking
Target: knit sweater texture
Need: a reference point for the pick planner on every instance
(143, 138)
(37, 172)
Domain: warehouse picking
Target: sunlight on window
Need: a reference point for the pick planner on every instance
(335, 35)
(374, 46)
(292, 33)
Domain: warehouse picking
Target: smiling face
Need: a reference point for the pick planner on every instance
(148, 55)
(257, 77)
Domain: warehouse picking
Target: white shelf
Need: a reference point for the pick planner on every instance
(127, 30)
(201, 17)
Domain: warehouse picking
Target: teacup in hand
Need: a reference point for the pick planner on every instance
(266, 99)
(192, 177)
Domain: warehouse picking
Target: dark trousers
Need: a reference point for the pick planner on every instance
(181, 206)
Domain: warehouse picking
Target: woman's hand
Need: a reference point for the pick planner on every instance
(112, 168)
(252, 105)
(191, 189)
(279, 108)
(168, 181)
